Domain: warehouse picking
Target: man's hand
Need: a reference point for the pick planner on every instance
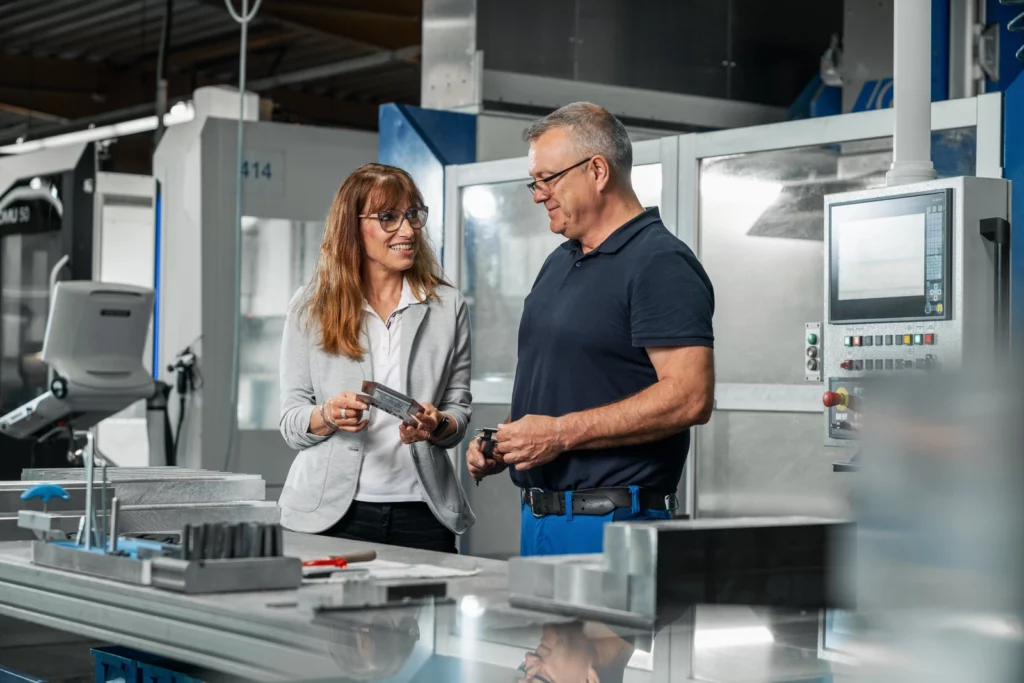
(530, 441)
(479, 465)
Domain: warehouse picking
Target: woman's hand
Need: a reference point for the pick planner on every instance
(342, 413)
(428, 419)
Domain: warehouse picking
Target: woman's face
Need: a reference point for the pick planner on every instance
(395, 250)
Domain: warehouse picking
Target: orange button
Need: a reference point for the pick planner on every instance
(929, 339)
(857, 341)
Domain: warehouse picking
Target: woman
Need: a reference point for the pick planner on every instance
(376, 309)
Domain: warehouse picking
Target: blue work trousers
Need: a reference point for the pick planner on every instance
(571, 534)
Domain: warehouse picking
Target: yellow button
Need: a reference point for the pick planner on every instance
(907, 339)
(938, 308)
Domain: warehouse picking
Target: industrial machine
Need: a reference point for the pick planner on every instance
(94, 341)
(915, 281)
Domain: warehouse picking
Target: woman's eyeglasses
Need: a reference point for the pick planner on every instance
(391, 219)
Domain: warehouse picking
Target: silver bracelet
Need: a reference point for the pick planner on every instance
(326, 420)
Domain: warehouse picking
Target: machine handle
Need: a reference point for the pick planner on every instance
(997, 231)
(46, 492)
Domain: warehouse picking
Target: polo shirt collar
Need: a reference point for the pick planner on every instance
(404, 301)
(618, 239)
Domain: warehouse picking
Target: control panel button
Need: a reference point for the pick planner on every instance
(929, 339)
(812, 338)
(812, 364)
(869, 364)
(888, 363)
(908, 363)
(888, 340)
(878, 340)
(899, 340)
(869, 341)
(857, 341)
(919, 339)
(908, 340)
(846, 365)
(847, 341)
(833, 399)
(858, 365)
(812, 352)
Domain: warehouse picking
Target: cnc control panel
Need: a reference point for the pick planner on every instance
(908, 287)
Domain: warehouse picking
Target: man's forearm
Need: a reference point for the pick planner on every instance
(664, 409)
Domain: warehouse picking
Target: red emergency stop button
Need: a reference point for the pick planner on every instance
(833, 399)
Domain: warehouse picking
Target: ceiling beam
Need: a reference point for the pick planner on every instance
(31, 113)
(384, 31)
(324, 110)
(347, 66)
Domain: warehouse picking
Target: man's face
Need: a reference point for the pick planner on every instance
(567, 196)
(560, 658)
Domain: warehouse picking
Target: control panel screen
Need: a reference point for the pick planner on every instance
(889, 258)
(881, 258)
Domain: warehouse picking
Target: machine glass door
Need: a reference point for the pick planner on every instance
(278, 257)
(30, 247)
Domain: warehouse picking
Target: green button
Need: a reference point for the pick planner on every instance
(847, 341)
(919, 339)
(812, 338)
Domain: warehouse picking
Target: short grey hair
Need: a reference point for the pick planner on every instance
(592, 130)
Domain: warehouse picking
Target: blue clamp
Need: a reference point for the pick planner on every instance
(47, 492)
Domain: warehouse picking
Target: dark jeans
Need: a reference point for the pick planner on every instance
(411, 525)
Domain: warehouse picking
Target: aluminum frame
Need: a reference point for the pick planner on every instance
(983, 112)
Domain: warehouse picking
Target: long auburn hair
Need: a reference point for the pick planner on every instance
(336, 294)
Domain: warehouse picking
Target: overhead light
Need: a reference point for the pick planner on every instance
(35, 183)
(183, 114)
(479, 203)
(20, 140)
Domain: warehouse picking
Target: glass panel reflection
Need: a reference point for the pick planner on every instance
(506, 239)
(278, 257)
(761, 228)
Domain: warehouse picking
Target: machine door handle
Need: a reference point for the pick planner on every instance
(46, 492)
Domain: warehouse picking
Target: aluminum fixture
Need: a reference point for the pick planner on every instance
(912, 47)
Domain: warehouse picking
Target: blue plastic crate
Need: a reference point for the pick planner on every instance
(121, 664)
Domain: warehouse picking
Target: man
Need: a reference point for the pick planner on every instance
(615, 347)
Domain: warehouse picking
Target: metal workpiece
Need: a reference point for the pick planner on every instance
(158, 488)
(651, 571)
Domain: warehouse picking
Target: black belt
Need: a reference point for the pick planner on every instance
(595, 501)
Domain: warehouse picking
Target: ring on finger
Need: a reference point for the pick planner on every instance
(344, 414)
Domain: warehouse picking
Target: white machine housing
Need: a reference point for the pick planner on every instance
(95, 338)
(945, 337)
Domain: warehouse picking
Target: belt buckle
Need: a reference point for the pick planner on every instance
(528, 495)
(671, 502)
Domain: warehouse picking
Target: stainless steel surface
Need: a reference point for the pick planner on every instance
(653, 572)
(450, 63)
(226, 576)
(90, 563)
(122, 473)
(161, 488)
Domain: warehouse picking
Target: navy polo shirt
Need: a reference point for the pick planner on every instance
(585, 327)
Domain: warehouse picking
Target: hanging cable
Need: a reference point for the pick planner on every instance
(244, 18)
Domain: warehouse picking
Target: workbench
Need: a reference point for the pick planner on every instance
(474, 635)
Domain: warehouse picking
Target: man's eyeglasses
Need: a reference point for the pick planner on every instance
(391, 219)
(544, 184)
(523, 668)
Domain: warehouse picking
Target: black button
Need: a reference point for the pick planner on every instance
(888, 340)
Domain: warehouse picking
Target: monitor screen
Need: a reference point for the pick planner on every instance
(889, 258)
(881, 258)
